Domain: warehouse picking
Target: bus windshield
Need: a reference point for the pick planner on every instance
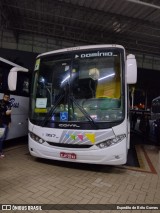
(78, 87)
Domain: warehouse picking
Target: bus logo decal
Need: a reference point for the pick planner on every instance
(73, 137)
(13, 103)
(68, 125)
(80, 137)
(67, 135)
(90, 137)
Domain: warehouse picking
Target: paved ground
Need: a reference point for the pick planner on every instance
(26, 180)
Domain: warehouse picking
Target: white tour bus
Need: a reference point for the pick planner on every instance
(19, 99)
(79, 104)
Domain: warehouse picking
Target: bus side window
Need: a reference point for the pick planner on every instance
(4, 77)
(23, 82)
(25, 87)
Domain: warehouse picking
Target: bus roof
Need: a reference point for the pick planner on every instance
(9, 62)
(81, 48)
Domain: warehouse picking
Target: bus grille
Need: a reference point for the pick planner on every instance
(69, 145)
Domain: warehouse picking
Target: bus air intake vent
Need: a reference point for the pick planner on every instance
(69, 145)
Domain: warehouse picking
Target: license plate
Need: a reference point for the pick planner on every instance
(68, 155)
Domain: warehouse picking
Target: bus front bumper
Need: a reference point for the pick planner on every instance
(114, 155)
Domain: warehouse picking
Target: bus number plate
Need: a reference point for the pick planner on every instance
(68, 155)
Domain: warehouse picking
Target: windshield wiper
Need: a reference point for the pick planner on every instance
(51, 111)
(84, 112)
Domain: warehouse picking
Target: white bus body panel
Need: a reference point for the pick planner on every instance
(113, 155)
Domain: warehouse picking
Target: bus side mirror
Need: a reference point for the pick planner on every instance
(131, 66)
(12, 81)
(12, 77)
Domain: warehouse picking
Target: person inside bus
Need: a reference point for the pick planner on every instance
(5, 119)
(94, 75)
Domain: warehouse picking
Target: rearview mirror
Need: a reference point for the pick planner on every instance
(131, 66)
(12, 77)
(12, 81)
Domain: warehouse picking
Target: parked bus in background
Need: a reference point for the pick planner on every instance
(155, 108)
(19, 99)
(79, 104)
(155, 115)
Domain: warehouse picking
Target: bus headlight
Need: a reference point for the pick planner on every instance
(36, 138)
(111, 142)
